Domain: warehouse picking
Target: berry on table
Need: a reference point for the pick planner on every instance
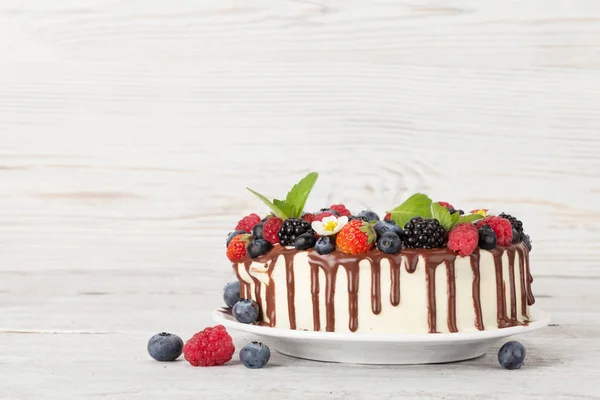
(271, 228)
(291, 229)
(382, 227)
(356, 237)
(389, 243)
(501, 226)
(325, 245)
(231, 293)
(463, 238)
(257, 231)
(259, 247)
(487, 238)
(212, 346)
(305, 241)
(340, 209)
(248, 222)
(255, 355)
(424, 233)
(245, 311)
(165, 346)
(511, 355)
(236, 250)
(517, 227)
(369, 215)
(233, 234)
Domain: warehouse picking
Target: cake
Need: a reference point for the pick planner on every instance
(426, 267)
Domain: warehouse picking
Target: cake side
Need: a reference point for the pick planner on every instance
(415, 291)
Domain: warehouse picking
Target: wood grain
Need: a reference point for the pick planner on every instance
(130, 129)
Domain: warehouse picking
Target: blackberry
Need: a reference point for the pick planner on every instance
(291, 229)
(517, 225)
(424, 233)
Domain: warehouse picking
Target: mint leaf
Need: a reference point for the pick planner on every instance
(297, 196)
(416, 205)
(470, 218)
(442, 214)
(287, 209)
(455, 218)
(276, 210)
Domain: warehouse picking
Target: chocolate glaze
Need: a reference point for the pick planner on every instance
(330, 264)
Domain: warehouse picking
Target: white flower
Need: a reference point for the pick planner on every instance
(329, 225)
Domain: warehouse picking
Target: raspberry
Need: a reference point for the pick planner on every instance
(236, 250)
(248, 222)
(271, 228)
(463, 238)
(341, 209)
(212, 346)
(356, 237)
(309, 217)
(324, 214)
(517, 225)
(387, 217)
(445, 204)
(501, 226)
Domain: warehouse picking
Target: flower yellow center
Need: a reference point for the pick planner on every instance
(330, 226)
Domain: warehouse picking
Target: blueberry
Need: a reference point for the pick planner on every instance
(258, 247)
(527, 241)
(325, 245)
(257, 231)
(165, 346)
(487, 238)
(389, 243)
(233, 234)
(388, 226)
(255, 355)
(305, 241)
(516, 238)
(511, 355)
(245, 311)
(231, 293)
(370, 215)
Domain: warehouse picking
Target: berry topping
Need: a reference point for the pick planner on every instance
(388, 226)
(501, 226)
(255, 355)
(212, 346)
(248, 222)
(231, 235)
(340, 209)
(356, 237)
(259, 247)
(325, 214)
(245, 311)
(511, 355)
(369, 215)
(446, 204)
(527, 241)
(271, 229)
(389, 243)
(236, 250)
(487, 238)
(257, 231)
(165, 346)
(291, 229)
(463, 238)
(231, 293)
(424, 233)
(387, 217)
(325, 245)
(305, 241)
(517, 226)
(330, 211)
(309, 217)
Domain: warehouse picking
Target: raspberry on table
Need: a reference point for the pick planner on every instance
(212, 346)
(501, 227)
(248, 222)
(463, 238)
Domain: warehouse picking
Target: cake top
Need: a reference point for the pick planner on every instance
(417, 223)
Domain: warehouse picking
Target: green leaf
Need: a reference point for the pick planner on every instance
(455, 218)
(297, 196)
(416, 205)
(287, 209)
(470, 218)
(442, 214)
(278, 211)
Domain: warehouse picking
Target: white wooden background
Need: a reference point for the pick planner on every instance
(130, 129)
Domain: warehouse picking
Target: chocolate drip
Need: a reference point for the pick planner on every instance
(330, 299)
(500, 288)
(353, 276)
(395, 283)
(513, 290)
(530, 298)
(451, 295)
(523, 283)
(291, 288)
(412, 258)
(376, 288)
(476, 290)
(431, 301)
(314, 289)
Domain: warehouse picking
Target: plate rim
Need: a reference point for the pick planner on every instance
(540, 318)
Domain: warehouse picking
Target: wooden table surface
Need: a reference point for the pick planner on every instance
(130, 129)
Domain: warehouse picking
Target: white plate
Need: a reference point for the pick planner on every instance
(380, 348)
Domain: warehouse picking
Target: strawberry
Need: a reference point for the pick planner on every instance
(236, 251)
(356, 237)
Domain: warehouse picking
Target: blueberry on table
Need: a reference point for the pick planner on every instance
(245, 311)
(165, 346)
(231, 293)
(511, 355)
(255, 355)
